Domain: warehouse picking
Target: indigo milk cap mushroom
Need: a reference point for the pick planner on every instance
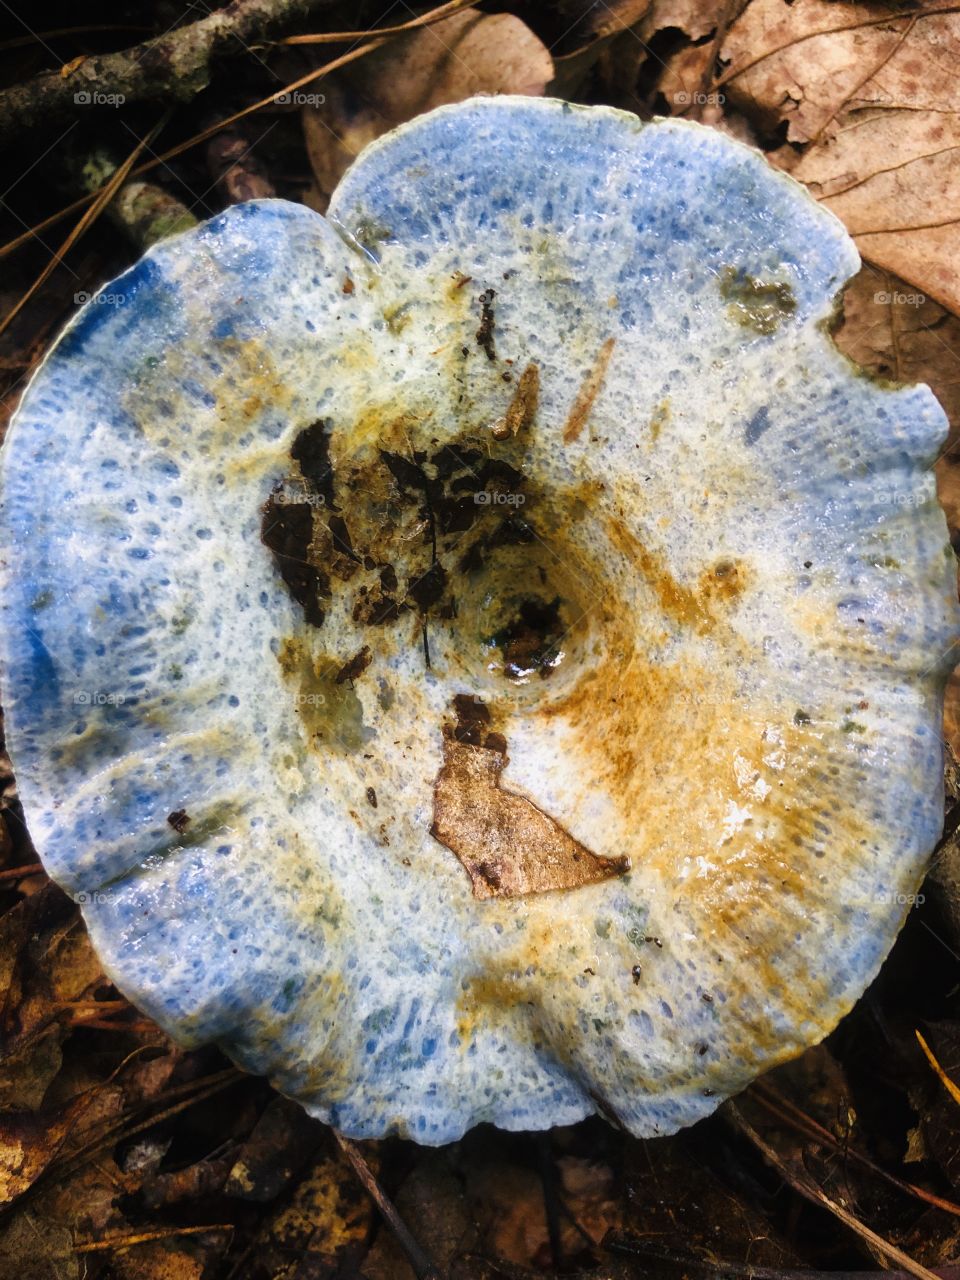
(478, 656)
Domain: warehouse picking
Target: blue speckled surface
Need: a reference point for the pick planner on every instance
(750, 709)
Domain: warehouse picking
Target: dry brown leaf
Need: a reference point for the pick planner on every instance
(33, 1248)
(896, 332)
(327, 1214)
(889, 328)
(165, 1259)
(466, 54)
(680, 87)
(507, 844)
(871, 116)
(614, 16)
(29, 1140)
(696, 18)
(27, 1073)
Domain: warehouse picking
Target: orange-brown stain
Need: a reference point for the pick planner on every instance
(489, 995)
(681, 604)
(590, 388)
(660, 418)
(724, 581)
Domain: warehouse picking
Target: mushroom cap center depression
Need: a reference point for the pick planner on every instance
(398, 537)
(453, 560)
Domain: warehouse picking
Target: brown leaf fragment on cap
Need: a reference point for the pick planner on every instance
(179, 820)
(522, 406)
(485, 332)
(473, 717)
(508, 846)
(356, 666)
(589, 390)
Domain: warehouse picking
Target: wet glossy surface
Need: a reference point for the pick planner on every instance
(525, 505)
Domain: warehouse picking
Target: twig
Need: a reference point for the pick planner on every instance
(148, 213)
(791, 1114)
(142, 210)
(117, 1131)
(691, 1266)
(173, 67)
(425, 20)
(944, 1079)
(202, 136)
(804, 1185)
(15, 873)
(421, 1264)
(143, 1237)
(338, 37)
(551, 1202)
(108, 1132)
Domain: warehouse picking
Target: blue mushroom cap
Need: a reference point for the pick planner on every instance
(478, 656)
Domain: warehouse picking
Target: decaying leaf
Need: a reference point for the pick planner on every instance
(678, 1203)
(30, 1140)
(327, 1215)
(895, 331)
(508, 845)
(870, 109)
(281, 1142)
(466, 54)
(33, 1248)
(695, 18)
